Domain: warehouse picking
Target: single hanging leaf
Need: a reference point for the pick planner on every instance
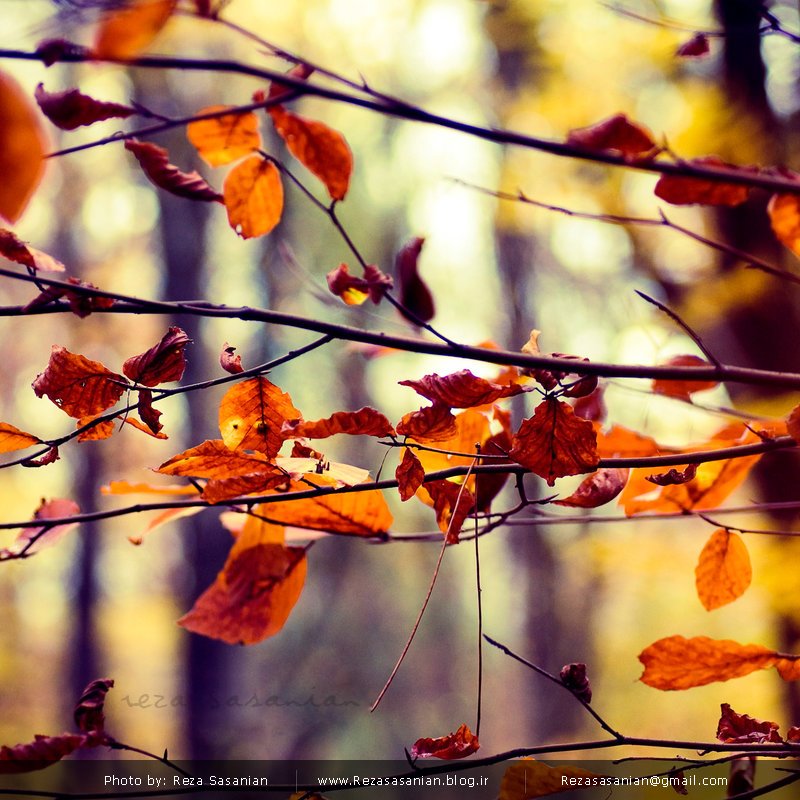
(88, 713)
(574, 677)
(674, 477)
(162, 363)
(213, 459)
(696, 47)
(528, 779)
(221, 140)
(80, 387)
(409, 474)
(353, 291)
(252, 597)
(723, 571)
(414, 292)
(252, 414)
(321, 150)
(682, 389)
(126, 31)
(676, 663)
(682, 191)
(71, 109)
(364, 422)
(616, 133)
(277, 90)
(743, 729)
(599, 488)
(784, 217)
(12, 438)
(22, 149)
(456, 745)
(16, 250)
(434, 423)
(149, 415)
(554, 442)
(32, 540)
(253, 197)
(452, 505)
(231, 363)
(155, 164)
(461, 389)
(50, 457)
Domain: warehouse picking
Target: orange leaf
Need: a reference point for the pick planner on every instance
(621, 442)
(12, 438)
(410, 474)
(461, 389)
(452, 505)
(102, 430)
(22, 148)
(784, 217)
(162, 363)
(31, 540)
(221, 140)
(414, 292)
(163, 518)
(72, 109)
(460, 744)
(125, 487)
(16, 250)
(253, 197)
(433, 423)
(212, 459)
(678, 663)
(252, 414)
(320, 149)
(554, 442)
(723, 571)
(366, 422)
(155, 164)
(140, 426)
(267, 479)
(528, 779)
(741, 728)
(125, 32)
(615, 133)
(252, 596)
(682, 389)
(599, 488)
(681, 191)
(82, 388)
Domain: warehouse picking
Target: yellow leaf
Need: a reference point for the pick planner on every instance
(125, 487)
(226, 138)
(125, 32)
(723, 571)
(22, 148)
(253, 197)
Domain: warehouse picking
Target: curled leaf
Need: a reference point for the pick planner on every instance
(354, 291)
(574, 677)
(743, 729)
(616, 133)
(461, 389)
(228, 361)
(673, 477)
(434, 423)
(456, 745)
(16, 250)
(599, 488)
(364, 422)
(162, 363)
(414, 292)
(696, 47)
(88, 712)
(72, 109)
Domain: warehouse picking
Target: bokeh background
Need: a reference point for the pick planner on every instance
(95, 605)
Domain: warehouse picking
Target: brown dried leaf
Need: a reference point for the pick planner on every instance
(574, 677)
(682, 191)
(321, 150)
(212, 459)
(434, 423)
(453, 503)
(155, 164)
(354, 291)
(16, 250)
(414, 292)
(723, 571)
(80, 387)
(252, 414)
(365, 422)
(456, 745)
(88, 712)
(38, 754)
(126, 31)
(50, 457)
(743, 729)
(22, 149)
(674, 477)
(230, 362)
(409, 474)
(269, 478)
(98, 431)
(555, 443)
(71, 109)
(461, 389)
(696, 47)
(253, 197)
(599, 488)
(221, 140)
(162, 363)
(616, 133)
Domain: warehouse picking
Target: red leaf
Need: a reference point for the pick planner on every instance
(150, 416)
(410, 474)
(682, 389)
(599, 488)
(365, 422)
(40, 753)
(88, 713)
(433, 423)
(696, 47)
(162, 363)
(32, 540)
(742, 729)
(80, 387)
(81, 303)
(616, 133)
(154, 161)
(50, 457)
(674, 477)
(554, 442)
(299, 71)
(461, 389)
(453, 503)
(414, 293)
(354, 291)
(16, 250)
(591, 406)
(574, 677)
(228, 361)
(682, 191)
(460, 744)
(72, 109)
